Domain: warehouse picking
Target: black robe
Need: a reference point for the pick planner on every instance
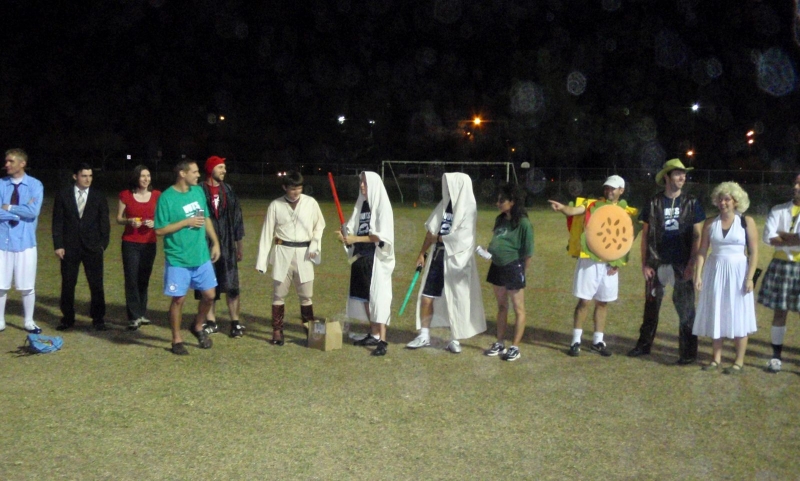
(229, 226)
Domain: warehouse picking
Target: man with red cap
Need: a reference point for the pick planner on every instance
(226, 216)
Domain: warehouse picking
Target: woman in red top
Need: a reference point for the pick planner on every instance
(137, 207)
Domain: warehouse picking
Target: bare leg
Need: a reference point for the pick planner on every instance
(518, 300)
(212, 312)
(581, 311)
(741, 349)
(600, 312)
(233, 307)
(203, 308)
(175, 317)
(501, 294)
(716, 346)
(425, 311)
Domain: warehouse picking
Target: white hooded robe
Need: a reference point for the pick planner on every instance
(461, 305)
(381, 224)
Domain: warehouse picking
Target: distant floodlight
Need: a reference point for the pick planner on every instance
(751, 141)
(476, 121)
(371, 122)
(690, 153)
(128, 156)
(750, 133)
(695, 107)
(341, 119)
(221, 118)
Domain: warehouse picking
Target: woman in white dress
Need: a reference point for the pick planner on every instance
(724, 278)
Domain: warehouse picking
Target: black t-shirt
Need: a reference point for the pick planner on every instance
(669, 249)
(447, 220)
(364, 248)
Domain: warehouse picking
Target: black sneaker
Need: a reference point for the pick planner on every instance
(575, 349)
(639, 351)
(367, 340)
(179, 349)
(237, 329)
(381, 349)
(202, 338)
(495, 350)
(512, 354)
(600, 348)
(210, 327)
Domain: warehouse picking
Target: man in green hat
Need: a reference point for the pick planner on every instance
(671, 228)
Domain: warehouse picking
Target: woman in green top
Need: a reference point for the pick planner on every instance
(511, 249)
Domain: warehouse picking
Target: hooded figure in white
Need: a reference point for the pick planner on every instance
(381, 225)
(460, 306)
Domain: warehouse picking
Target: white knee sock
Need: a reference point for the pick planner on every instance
(778, 334)
(28, 301)
(425, 332)
(3, 297)
(576, 335)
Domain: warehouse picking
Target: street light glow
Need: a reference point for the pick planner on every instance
(690, 153)
(750, 133)
(476, 121)
(341, 119)
(695, 107)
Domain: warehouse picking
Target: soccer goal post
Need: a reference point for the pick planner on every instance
(419, 176)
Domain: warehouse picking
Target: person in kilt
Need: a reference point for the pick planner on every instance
(780, 290)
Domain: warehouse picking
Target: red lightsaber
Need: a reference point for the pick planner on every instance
(336, 198)
(338, 207)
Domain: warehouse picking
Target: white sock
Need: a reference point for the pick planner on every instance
(576, 335)
(778, 334)
(28, 301)
(425, 332)
(597, 337)
(376, 336)
(3, 297)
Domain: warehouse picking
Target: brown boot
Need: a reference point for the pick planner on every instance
(277, 325)
(307, 313)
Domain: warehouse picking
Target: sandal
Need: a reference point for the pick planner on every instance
(712, 366)
(735, 369)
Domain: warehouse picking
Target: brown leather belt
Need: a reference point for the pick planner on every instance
(281, 242)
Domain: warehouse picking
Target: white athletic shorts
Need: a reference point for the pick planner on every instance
(21, 266)
(592, 282)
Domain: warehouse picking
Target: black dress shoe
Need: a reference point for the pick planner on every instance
(685, 361)
(100, 326)
(64, 326)
(638, 351)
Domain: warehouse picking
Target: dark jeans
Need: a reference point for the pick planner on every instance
(683, 298)
(92, 261)
(137, 264)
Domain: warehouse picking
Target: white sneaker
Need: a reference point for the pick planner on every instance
(144, 321)
(419, 341)
(2, 325)
(454, 347)
(774, 365)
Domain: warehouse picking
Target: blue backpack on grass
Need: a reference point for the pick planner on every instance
(39, 343)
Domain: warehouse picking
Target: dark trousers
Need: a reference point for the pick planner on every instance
(93, 268)
(683, 298)
(137, 264)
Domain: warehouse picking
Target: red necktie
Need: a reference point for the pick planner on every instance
(14, 201)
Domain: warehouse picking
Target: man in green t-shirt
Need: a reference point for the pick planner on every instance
(181, 220)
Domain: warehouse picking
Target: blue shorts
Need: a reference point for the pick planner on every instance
(178, 280)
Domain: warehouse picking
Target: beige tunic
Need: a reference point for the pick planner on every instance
(301, 224)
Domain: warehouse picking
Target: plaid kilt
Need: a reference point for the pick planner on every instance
(780, 289)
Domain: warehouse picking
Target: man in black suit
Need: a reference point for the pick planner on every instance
(81, 235)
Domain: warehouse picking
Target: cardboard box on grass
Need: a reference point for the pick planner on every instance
(324, 334)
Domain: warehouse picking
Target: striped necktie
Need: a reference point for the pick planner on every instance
(81, 202)
(14, 201)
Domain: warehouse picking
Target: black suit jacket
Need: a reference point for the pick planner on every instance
(70, 231)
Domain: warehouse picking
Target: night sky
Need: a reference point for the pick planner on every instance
(562, 83)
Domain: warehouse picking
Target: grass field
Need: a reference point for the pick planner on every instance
(117, 405)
